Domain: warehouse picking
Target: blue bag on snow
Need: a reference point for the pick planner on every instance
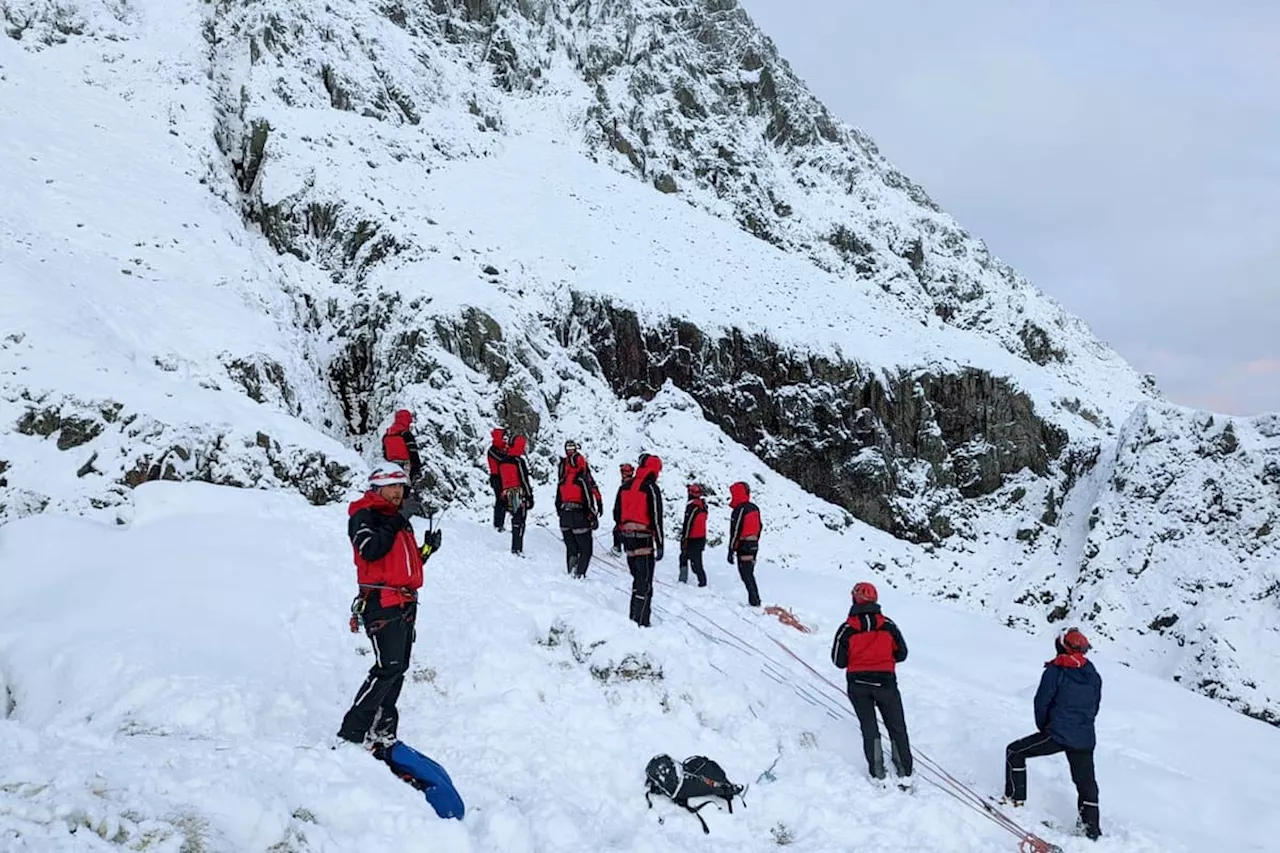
(425, 775)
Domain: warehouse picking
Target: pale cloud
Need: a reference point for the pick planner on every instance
(1124, 156)
(1263, 367)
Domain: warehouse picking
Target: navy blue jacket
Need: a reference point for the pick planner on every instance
(1067, 703)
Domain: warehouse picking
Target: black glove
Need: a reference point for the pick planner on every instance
(657, 552)
(430, 544)
(595, 522)
(729, 557)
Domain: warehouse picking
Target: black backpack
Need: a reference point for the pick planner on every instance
(697, 776)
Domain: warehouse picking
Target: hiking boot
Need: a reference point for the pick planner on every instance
(341, 741)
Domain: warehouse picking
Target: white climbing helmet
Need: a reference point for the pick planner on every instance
(388, 474)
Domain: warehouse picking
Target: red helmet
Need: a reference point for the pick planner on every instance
(1071, 641)
(695, 490)
(864, 593)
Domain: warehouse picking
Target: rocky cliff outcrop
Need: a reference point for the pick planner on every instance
(896, 450)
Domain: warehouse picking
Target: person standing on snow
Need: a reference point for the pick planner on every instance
(627, 471)
(693, 536)
(1066, 706)
(517, 492)
(640, 520)
(389, 573)
(868, 647)
(744, 538)
(578, 505)
(497, 449)
(401, 447)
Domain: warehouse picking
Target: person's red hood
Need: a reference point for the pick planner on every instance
(739, 494)
(372, 500)
(517, 446)
(1075, 660)
(651, 465)
(499, 437)
(403, 419)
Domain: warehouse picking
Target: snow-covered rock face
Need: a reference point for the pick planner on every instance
(1181, 559)
(267, 225)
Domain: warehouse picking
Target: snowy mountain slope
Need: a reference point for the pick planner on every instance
(198, 720)
(138, 324)
(329, 212)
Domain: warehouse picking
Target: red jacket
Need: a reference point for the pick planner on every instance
(497, 449)
(868, 642)
(512, 470)
(385, 551)
(640, 501)
(577, 484)
(394, 448)
(695, 520)
(744, 522)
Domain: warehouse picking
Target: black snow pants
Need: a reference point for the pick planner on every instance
(747, 551)
(391, 631)
(1082, 773)
(691, 557)
(867, 692)
(575, 527)
(640, 560)
(499, 504)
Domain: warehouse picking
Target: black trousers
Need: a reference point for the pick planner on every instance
(866, 695)
(499, 512)
(747, 570)
(391, 630)
(499, 502)
(691, 558)
(575, 527)
(518, 516)
(1079, 760)
(639, 548)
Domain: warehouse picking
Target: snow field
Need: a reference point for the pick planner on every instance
(176, 683)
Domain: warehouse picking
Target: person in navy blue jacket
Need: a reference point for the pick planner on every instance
(1066, 704)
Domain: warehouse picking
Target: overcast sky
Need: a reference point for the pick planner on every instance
(1124, 156)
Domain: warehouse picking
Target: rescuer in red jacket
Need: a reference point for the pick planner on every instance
(498, 445)
(389, 573)
(693, 536)
(401, 447)
(517, 489)
(627, 473)
(578, 506)
(868, 647)
(744, 538)
(640, 521)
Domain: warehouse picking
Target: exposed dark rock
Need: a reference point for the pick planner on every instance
(259, 378)
(1039, 346)
(41, 422)
(845, 434)
(87, 468)
(476, 341)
